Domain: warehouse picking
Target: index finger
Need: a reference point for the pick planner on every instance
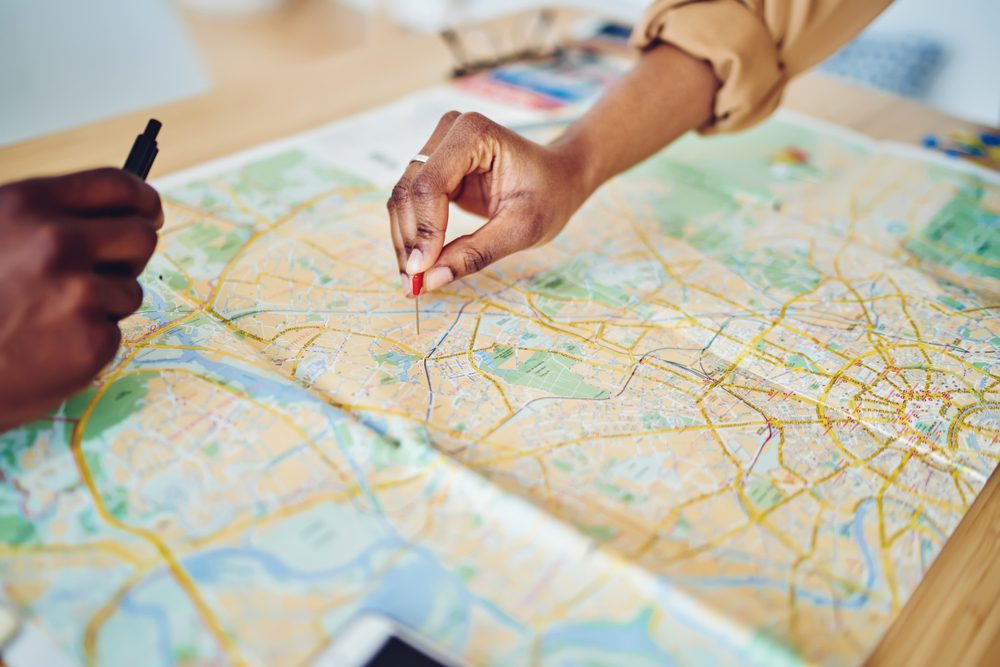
(464, 150)
(110, 243)
(106, 190)
(402, 216)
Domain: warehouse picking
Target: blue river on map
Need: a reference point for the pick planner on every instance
(409, 593)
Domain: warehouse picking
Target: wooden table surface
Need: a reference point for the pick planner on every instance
(299, 68)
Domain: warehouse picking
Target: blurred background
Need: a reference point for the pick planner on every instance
(65, 63)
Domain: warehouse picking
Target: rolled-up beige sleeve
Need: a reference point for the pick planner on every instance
(754, 46)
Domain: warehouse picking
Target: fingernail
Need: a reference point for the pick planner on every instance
(405, 280)
(438, 277)
(416, 262)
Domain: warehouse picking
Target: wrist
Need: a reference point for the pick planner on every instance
(580, 163)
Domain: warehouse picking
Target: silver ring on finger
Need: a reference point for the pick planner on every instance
(421, 158)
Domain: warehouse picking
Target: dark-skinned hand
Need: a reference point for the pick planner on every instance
(525, 191)
(71, 250)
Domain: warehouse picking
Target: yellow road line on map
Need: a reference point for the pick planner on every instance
(968, 365)
(359, 407)
(365, 268)
(285, 511)
(261, 406)
(754, 519)
(560, 353)
(259, 277)
(912, 524)
(548, 448)
(672, 516)
(242, 205)
(301, 352)
(76, 448)
(802, 558)
(472, 363)
(310, 327)
(776, 424)
(266, 228)
(635, 344)
(751, 344)
(887, 570)
(382, 339)
(572, 334)
(105, 612)
(192, 211)
(180, 575)
(181, 269)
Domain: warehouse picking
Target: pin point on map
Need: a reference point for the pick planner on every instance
(417, 284)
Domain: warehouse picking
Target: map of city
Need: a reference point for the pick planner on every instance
(729, 416)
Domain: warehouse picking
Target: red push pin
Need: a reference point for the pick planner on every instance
(417, 284)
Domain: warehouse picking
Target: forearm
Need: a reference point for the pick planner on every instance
(666, 94)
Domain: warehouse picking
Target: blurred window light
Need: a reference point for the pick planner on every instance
(64, 63)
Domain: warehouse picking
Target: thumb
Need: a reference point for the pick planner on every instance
(506, 233)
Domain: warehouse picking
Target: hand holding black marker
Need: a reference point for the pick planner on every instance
(138, 163)
(72, 248)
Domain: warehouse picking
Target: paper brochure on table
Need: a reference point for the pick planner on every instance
(729, 416)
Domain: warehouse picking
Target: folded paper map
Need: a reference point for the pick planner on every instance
(729, 416)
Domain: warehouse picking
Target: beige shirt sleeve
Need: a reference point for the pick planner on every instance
(754, 46)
